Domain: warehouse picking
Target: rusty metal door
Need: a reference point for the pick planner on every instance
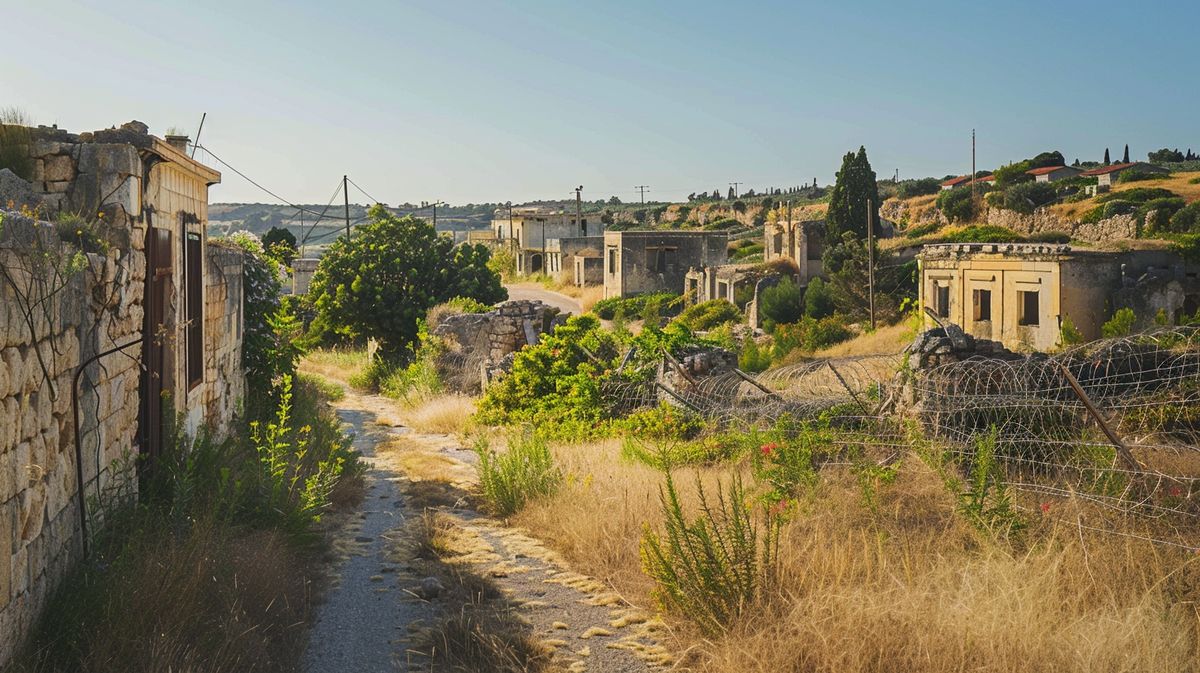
(154, 340)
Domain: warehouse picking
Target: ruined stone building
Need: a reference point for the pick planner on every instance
(151, 322)
(1019, 294)
(639, 262)
(536, 236)
(802, 242)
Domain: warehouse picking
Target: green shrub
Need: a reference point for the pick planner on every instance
(14, 144)
(957, 205)
(524, 472)
(808, 335)
(667, 455)
(1140, 176)
(1049, 237)
(754, 358)
(1137, 195)
(985, 500)
(781, 303)
(818, 299)
(1118, 207)
(786, 462)
(1121, 324)
(664, 422)
(982, 233)
(922, 230)
(1068, 334)
(1029, 196)
(1164, 210)
(669, 304)
(1187, 246)
(1186, 220)
(710, 569)
(709, 314)
(1194, 181)
(920, 187)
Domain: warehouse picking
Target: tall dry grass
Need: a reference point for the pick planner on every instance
(902, 585)
(339, 364)
(444, 415)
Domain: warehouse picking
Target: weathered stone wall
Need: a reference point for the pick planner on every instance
(96, 309)
(1044, 220)
(224, 386)
(479, 344)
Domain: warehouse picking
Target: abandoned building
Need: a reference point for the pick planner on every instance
(150, 328)
(481, 346)
(1019, 294)
(1106, 176)
(639, 262)
(564, 259)
(802, 242)
(530, 234)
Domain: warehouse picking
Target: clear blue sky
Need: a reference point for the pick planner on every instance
(486, 101)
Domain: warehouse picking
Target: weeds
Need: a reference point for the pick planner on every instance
(711, 568)
(524, 472)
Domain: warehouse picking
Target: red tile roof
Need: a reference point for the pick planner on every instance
(1107, 169)
(985, 178)
(1048, 169)
(956, 181)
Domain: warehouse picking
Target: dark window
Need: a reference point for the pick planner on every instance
(943, 301)
(1029, 308)
(612, 260)
(194, 282)
(983, 304)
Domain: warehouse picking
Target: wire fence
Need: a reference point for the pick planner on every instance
(1115, 423)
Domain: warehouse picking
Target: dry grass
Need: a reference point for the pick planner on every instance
(445, 415)
(887, 339)
(907, 586)
(1177, 182)
(588, 296)
(334, 363)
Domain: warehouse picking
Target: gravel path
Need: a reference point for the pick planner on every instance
(529, 291)
(364, 624)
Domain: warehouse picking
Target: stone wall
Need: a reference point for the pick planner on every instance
(480, 344)
(98, 308)
(224, 385)
(1043, 220)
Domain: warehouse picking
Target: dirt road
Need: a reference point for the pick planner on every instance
(379, 606)
(531, 291)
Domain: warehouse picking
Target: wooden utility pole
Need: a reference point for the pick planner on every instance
(871, 260)
(346, 194)
(642, 190)
(579, 210)
(735, 188)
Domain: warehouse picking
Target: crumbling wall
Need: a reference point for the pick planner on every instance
(480, 345)
(1044, 220)
(224, 387)
(93, 310)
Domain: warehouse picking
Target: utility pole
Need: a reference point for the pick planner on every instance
(579, 210)
(972, 164)
(510, 229)
(346, 194)
(642, 189)
(871, 260)
(735, 188)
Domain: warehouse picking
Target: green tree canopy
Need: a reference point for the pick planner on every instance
(281, 243)
(848, 202)
(380, 282)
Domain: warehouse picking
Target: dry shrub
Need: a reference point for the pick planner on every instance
(335, 363)
(442, 415)
(205, 600)
(589, 295)
(903, 585)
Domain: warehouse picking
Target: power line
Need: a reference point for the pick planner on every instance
(373, 199)
(642, 189)
(323, 211)
(256, 184)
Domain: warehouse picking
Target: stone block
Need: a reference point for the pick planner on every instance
(19, 572)
(31, 515)
(6, 556)
(57, 187)
(11, 360)
(58, 168)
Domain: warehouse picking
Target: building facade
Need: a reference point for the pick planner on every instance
(1020, 294)
(638, 262)
(528, 232)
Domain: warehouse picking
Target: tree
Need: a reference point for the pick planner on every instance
(1107, 161)
(1125, 159)
(280, 243)
(614, 200)
(781, 304)
(818, 300)
(380, 282)
(855, 186)
(846, 265)
(1166, 155)
(731, 195)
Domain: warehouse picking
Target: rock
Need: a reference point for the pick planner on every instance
(16, 189)
(58, 168)
(429, 589)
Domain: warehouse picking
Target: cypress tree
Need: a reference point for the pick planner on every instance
(1125, 159)
(848, 201)
(1106, 160)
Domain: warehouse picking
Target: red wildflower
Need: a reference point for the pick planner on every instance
(1175, 492)
(1045, 508)
(768, 448)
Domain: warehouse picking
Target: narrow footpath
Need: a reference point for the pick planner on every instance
(380, 600)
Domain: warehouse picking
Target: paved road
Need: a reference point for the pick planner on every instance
(532, 291)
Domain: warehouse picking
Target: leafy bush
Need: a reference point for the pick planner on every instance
(664, 422)
(781, 303)
(1121, 324)
(709, 314)
(982, 233)
(1140, 176)
(957, 205)
(1163, 209)
(1187, 246)
(711, 568)
(1068, 334)
(922, 230)
(1187, 219)
(808, 335)
(1029, 196)
(669, 304)
(754, 358)
(787, 460)
(818, 299)
(1118, 207)
(269, 340)
(1137, 195)
(524, 472)
(920, 187)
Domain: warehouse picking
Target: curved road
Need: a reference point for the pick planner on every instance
(533, 291)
